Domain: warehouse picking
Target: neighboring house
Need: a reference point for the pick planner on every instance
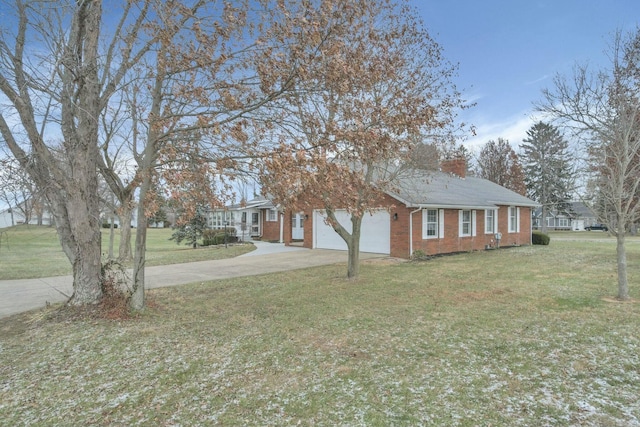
(254, 219)
(105, 220)
(12, 216)
(576, 217)
(440, 212)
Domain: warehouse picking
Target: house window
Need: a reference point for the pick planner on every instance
(490, 221)
(514, 219)
(272, 215)
(465, 226)
(244, 217)
(219, 218)
(254, 218)
(563, 222)
(430, 224)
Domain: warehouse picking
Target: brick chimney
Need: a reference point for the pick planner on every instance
(456, 166)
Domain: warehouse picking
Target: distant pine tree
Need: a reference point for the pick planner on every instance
(548, 168)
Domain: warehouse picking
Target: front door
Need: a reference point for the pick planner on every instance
(297, 230)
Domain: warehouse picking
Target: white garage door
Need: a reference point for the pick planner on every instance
(375, 235)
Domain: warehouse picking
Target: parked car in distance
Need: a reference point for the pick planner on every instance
(595, 227)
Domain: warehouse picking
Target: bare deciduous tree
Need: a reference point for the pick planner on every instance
(604, 109)
(499, 163)
(57, 76)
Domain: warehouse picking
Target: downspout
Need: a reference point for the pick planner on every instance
(530, 226)
(411, 231)
(281, 216)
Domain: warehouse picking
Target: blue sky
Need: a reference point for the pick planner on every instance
(509, 50)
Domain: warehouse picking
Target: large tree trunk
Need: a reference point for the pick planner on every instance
(623, 284)
(351, 239)
(112, 235)
(138, 298)
(621, 252)
(353, 244)
(76, 219)
(125, 215)
(544, 213)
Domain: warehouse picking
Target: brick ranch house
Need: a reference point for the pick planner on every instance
(441, 212)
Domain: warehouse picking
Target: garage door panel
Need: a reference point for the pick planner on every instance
(374, 235)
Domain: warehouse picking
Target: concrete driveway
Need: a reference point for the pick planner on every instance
(23, 295)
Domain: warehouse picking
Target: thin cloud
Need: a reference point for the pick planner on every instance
(514, 129)
(541, 79)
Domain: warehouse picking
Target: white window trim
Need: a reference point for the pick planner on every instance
(494, 221)
(439, 223)
(272, 215)
(517, 211)
(472, 225)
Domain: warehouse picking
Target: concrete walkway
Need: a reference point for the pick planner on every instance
(23, 295)
(266, 248)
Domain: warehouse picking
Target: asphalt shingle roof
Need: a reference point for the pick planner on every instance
(438, 189)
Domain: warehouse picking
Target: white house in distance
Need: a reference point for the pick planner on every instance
(254, 219)
(12, 216)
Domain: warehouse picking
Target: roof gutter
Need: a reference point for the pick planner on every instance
(524, 204)
(441, 206)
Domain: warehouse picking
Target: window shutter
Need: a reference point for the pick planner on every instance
(459, 223)
(473, 223)
(425, 217)
(518, 220)
(495, 221)
(441, 223)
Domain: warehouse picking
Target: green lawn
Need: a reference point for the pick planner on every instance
(29, 251)
(515, 337)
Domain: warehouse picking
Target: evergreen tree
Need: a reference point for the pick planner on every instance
(191, 231)
(548, 168)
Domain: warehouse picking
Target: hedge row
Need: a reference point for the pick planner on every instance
(219, 237)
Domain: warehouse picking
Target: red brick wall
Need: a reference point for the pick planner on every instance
(270, 229)
(308, 229)
(509, 239)
(400, 231)
(452, 242)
